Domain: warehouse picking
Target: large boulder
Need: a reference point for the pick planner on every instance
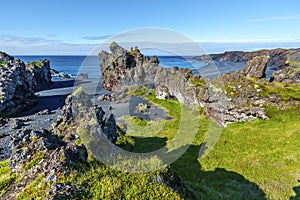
(81, 116)
(18, 82)
(256, 67)
(122, 69)
(16, 88)
(41, 73)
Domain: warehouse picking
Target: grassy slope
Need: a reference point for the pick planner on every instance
(253, 160)
(264, 152)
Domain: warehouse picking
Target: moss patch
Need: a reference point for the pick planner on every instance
(2, 62)
(35, 160)
(285, 92)
(6, 177)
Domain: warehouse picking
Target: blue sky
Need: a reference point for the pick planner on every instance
(75, 27)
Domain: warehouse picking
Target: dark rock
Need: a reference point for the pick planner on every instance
(44, 112)
(226, 98)
(18, 124)
(123, 69)
(54, 72)
(53, 156)
(16, 88)
(41, 73)
(65, 75)
(80, 112)
(110, 128)
(3, 121)
(277, 56)
(19, 82)
(64, 191)
(256, 67)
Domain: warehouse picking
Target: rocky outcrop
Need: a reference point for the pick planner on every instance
(41, 73)
(277, 56)
(286, 76)
(49, 155)
(122, 69)
(39, 154)
(227, 98)
(18, 82)
(256, 67)
(82, 76)
(81, 116)
(16, 88)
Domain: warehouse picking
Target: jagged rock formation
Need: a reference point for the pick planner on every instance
(284, 62)
(256, 67)
(16, 87)
(278, 57)
(41, 73)
(227, 98)
(80, 115)
(122, 69)
(18, 82)
(37, 154)
(286, 76)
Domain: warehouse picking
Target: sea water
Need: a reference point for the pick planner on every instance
(72, 65)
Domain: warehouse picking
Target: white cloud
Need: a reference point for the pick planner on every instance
(275, 18)
(101, 37)
(17, 45)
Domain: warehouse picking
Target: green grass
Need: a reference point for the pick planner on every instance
(135, 121)
(2, 62)
(265, 152)
(292, 62)
(35, 160)
(250, 160)
(36, 189)
(285, 92)
(6, 177)
(253, 160)
(105, 183)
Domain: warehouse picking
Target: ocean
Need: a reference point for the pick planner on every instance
(73, 65)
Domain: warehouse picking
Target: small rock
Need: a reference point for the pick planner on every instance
(51, 177)
(65, 75)
(3, 122)
(104, 97)
(44, 112)
(82, 76)
(18, 124)
(141, 108)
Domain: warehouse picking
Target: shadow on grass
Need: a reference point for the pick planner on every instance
(148, 144)
(297, 191)
(217, 184)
